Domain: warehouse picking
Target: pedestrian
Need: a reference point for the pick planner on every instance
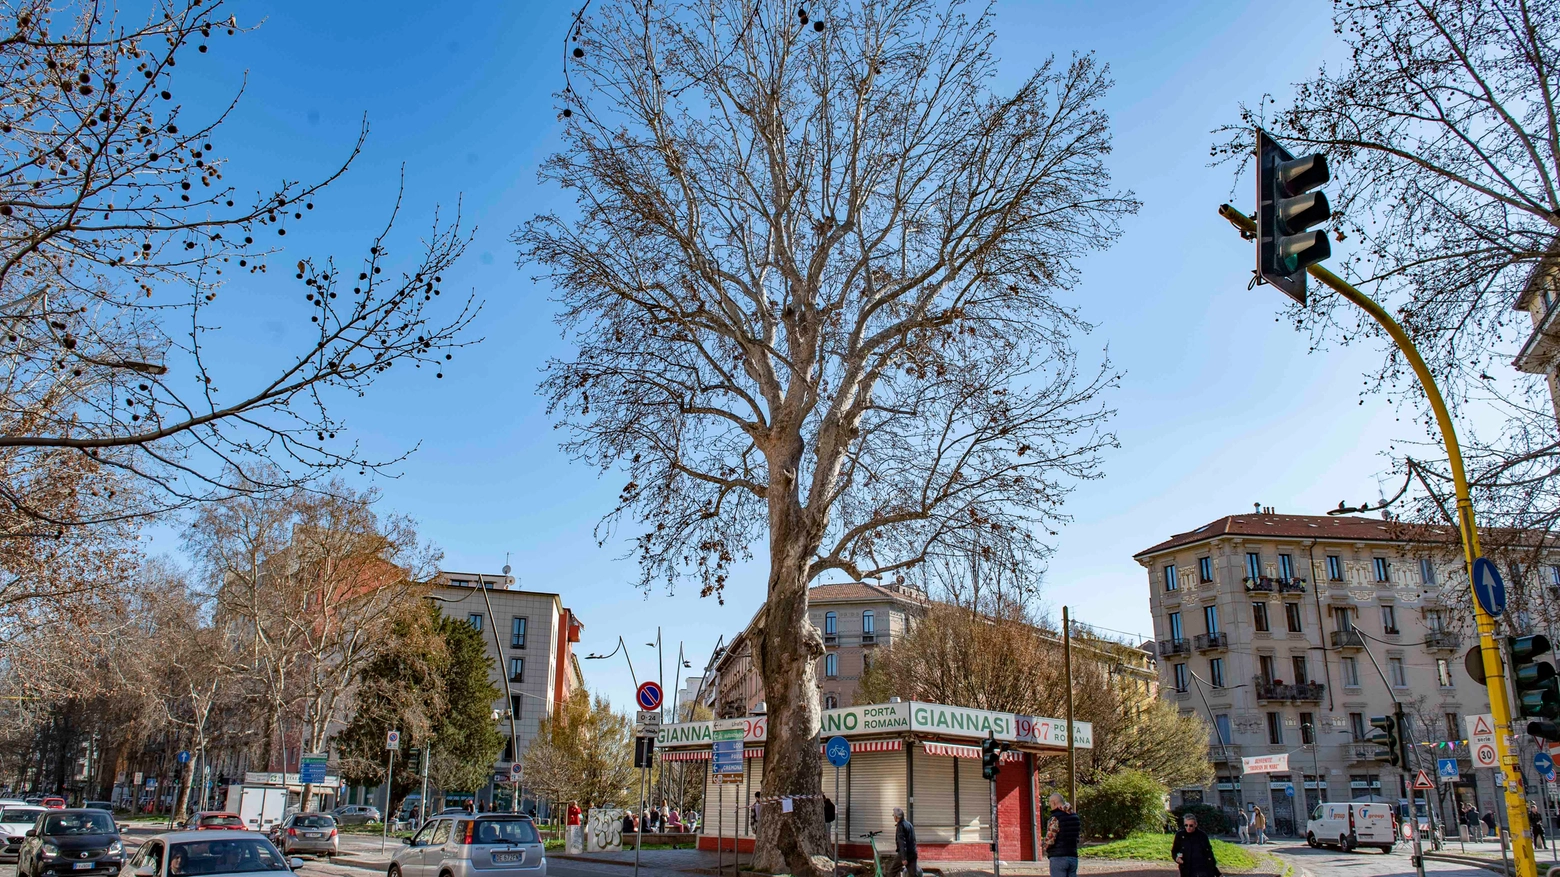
(1536, 820)
(1061, 837)
(1243, 825)
(1193, 851)
(905, 855)
(1258, 824)
(574, 838)
(753, 813)
(1471, 819)
(1489, 824)
(829, 812)
(628, 822)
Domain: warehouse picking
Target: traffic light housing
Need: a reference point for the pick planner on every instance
(414, 758)
(1538, 689)
(1390, 736)
(1545, 730)
(990, 758)
(1287, 210)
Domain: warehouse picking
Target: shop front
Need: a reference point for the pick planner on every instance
(922, 757)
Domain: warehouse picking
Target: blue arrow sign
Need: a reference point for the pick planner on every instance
(1543, 763)
(1488, 589)
(184, 756)
(838, 751)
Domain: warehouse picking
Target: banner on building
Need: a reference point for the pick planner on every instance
(1265, 763)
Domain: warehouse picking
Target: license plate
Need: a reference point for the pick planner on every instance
(508, 857)
(82, 866)
(312, 834)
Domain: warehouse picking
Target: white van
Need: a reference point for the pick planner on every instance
(1352, 824)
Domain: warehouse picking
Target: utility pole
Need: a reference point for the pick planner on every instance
(1072, 752)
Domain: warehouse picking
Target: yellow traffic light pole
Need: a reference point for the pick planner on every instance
(1494, 671)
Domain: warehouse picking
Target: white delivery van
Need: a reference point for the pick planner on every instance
(1352, 824)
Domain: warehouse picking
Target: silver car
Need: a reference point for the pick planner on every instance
(208, 853)
(306, 833)
(466, 845)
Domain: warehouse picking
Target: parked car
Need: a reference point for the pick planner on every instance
(75, 841)
(214, 819)
(355, 814)
(1349, 825)
(99, 805)
(15, 820)
(53, 802)
(209, 854)
(307, 833)
(467, 845)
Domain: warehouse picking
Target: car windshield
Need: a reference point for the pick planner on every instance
(20, 814)
(315, 821)
(223, 820)
(83, 822)
(504, 831)
(236, 856)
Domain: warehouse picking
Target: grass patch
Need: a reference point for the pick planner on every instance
(1156, 848)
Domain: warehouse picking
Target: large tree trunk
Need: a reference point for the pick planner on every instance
(787, 651)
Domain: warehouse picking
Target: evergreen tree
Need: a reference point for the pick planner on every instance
(466, 741)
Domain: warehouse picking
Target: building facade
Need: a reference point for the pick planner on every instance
(1540, 295)
(534, 661)
(1287, 633)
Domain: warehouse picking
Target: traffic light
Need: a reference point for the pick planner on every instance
(1538, 690)
(1545, 730)
(414, 758)
(1287, 209)
(990, 758)
(1388, 736)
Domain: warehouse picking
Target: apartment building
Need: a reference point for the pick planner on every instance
(1541, 354)
(533, 655)
(1289, 632)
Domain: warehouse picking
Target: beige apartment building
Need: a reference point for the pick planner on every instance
(534, 658)
(1541, 354)
(1287, 633)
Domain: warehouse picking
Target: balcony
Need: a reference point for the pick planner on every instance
(869, 639)
(831, 639)
(1347, 639)
(1207, 642)
(1271, 585)
(1228, 753)
(1443, 640)
(1538, 354)
(1170, 647)
(1304, 692)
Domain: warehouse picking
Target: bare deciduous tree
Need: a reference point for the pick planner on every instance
(814, 284)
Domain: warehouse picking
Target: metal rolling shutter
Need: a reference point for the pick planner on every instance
(974, 802)
(877, 786)
(933, 797)
(753, 782)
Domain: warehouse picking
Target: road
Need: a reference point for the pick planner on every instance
(1368, 863)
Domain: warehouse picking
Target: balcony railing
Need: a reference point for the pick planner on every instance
(1170, 647)
(831, 639)
(1449, 640)
(868, 639)
(1272, 585)
(1304, 692)
(1207, 642)
(1228, 753)
(1347, 639)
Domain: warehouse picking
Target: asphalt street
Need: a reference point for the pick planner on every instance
(1367, 863)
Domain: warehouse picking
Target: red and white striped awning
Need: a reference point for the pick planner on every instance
(872, 746)
(956, 751)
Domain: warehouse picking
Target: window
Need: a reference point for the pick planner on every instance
(1344, 617)
(1180, 677)
(831, 666)
(1170, 580)
(516, 669)
(514, 705)
(1267, 668)
(475, 620)
(1221, 725)
(868, 623)
(1175, 626)
(1554, 576)
(1435, 620)
(1351, 672)
(831, 623)
(1286, 566)
(1357, 726)
(1292, 616)
(1334, 568)
(1453, 727)
(1253, 565)
(1307, 728)
(441, 832)
(1297, 662)
(1380, 564)
(830, 702)
(1275, 729)
(1426, 571)
(517, 633)
(1389, 619)
(1259, 617)
(1443, 672)
(1211, 619)
(1216, 672)
(1396, 674)
(866, 661)
(1205, 569)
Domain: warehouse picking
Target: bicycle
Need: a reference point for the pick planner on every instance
(877, 863)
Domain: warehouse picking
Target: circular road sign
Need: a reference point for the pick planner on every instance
(1488, 589)
(1486, 754)
(184, 756)
(1543, 763)
(648, 696)
(838, 751)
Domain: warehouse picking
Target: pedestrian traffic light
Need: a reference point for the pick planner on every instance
(1538, 690)
(1287, 209)
(990, 758)
(1387, 735)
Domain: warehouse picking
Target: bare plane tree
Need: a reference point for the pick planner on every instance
(814, 285)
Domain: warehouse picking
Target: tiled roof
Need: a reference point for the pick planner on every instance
(856, 592)
(1341, 527)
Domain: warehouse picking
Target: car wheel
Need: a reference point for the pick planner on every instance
(1310, 840)
(395, 871)
(1343, 843)
(1387, 849)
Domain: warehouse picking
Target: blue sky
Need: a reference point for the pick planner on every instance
(1220, 408)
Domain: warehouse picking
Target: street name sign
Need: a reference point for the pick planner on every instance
(726, 741)
(311, 767)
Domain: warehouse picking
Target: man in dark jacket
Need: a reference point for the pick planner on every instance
(904, 848)
(1193, 851)
(1062, 828)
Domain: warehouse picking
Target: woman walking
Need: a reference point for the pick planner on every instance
(1259, 824)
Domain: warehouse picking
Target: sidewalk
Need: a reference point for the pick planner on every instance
(687, 861)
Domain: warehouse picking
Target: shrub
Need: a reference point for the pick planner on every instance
(1121, 804)
(1209, 818)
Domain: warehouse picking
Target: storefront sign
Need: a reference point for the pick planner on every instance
(882, 718)
(902, 718)
(1265, 763)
